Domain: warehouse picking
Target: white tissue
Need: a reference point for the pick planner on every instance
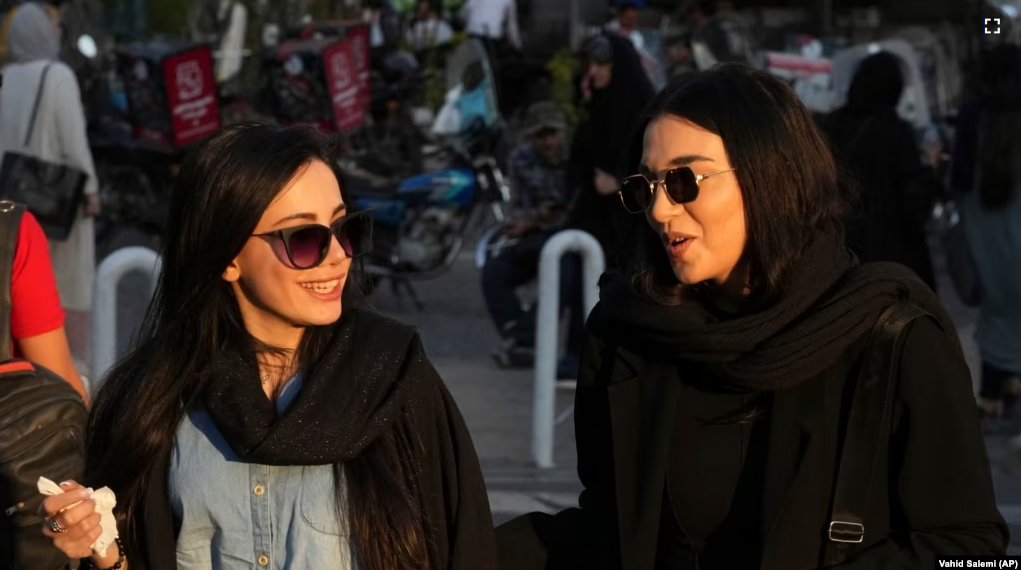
(105, 502)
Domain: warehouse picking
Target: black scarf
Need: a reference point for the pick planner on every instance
(348, 399)
(829, 303)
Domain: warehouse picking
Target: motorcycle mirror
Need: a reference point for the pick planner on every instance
(87, 46)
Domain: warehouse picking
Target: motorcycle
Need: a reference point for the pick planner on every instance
(422, 222)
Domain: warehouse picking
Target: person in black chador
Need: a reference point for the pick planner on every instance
(879, 150)
(719, 365)
(617, 89)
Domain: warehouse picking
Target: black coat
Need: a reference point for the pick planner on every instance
(895, 191)
(451, 488)
(938, 499)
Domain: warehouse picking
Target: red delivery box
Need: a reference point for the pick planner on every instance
(172, 96)
(359, 37)
(318, 82)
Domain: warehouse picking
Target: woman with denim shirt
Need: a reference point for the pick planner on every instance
(265, 420)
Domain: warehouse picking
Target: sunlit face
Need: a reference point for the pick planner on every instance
(600, 74)
(715, 221)
(275, 298)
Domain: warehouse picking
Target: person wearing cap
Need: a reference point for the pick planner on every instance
(540, 194)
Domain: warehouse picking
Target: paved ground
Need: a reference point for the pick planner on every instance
(497, 404)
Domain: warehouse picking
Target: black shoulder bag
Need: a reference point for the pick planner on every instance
(43, 434)
(868, 429)
(51, 191)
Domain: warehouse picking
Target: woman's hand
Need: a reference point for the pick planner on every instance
(75, 515)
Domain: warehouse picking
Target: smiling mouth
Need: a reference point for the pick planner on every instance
(322, 286)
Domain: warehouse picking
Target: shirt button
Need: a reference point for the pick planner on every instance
(259, 491)
(263, 560)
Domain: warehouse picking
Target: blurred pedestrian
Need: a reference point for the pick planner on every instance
(716, 36)
(986, 173)
(616, 88)
(428, 31)
(59, 135)
(541, 195)
(711, 407)
(626, 24)
(495, 22)
(897, 189)
(266, 407)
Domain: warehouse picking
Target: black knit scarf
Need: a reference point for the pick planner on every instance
(349, 397)
(829, 303)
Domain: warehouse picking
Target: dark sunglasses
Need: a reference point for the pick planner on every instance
(308, 245)
(682, 184)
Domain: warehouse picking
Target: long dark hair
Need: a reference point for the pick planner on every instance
(786, 172)
(220, 194)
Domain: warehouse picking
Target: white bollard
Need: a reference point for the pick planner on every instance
(104, 304)
(547, 327)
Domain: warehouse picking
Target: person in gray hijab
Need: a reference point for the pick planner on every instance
(57, 134)
(34, 34)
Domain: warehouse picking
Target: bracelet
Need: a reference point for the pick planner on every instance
(87, 563)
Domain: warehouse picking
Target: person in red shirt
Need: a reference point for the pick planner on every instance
(37, 320)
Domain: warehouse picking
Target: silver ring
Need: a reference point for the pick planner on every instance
(55, 526)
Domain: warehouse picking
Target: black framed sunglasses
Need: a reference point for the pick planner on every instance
(682, 184)
(307, 245)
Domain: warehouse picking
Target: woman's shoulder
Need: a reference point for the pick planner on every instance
(58, 71)
(54, 67)
(381, 331)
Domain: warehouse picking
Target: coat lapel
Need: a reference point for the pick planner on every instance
(642, 403)
(799, 474)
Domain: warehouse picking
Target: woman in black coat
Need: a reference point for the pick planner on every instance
(879, 148)
(718, 372)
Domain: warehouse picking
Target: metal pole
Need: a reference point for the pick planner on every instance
(547, 327)
(104, 303)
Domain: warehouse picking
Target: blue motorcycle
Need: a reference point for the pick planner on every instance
(422, 222)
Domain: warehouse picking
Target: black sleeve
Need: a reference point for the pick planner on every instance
(942, 498)
(454, 491)
(584, 537)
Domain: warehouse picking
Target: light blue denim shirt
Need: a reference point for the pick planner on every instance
(243, 516)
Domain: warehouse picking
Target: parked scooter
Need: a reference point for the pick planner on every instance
(423, 222)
